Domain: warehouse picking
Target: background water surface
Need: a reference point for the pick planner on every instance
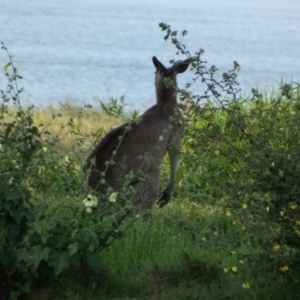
(93, 49)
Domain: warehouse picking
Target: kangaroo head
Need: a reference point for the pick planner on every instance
(171, 72)
(163, 89)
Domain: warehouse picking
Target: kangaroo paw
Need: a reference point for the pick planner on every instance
(164, 199)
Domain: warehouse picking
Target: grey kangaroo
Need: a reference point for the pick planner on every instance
(140, 149)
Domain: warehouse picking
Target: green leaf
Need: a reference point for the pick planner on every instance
(14, 295)
(23, 254)
(94, 261)
(39, 254)
(75, 259)
(26, 288)
(73, 248)
(34, 256)
(59, 261)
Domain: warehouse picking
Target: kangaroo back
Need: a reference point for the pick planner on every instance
(102, 153)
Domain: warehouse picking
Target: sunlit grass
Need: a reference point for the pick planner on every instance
(72, 123)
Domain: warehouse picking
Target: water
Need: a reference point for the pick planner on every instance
(94, 49)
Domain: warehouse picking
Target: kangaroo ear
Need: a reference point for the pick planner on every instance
(181, 66)
(158, 65)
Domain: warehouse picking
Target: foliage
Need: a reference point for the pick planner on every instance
(243, 154)
(39, 239)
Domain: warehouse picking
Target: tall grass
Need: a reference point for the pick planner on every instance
(72, 123)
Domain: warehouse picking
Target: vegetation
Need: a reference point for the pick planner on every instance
(231, 231)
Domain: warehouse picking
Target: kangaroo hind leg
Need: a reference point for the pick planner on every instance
(146, 192)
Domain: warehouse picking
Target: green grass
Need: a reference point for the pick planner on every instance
(169, 256)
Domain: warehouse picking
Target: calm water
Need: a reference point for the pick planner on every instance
(93, 49)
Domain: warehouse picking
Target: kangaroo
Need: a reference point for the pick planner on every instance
(139, 147)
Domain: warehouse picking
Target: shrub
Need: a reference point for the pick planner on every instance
(39, 239)
(243, 154)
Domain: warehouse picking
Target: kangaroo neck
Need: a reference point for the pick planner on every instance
(166, 97)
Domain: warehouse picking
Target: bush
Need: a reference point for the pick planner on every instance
(243, 155)
(41, 239)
